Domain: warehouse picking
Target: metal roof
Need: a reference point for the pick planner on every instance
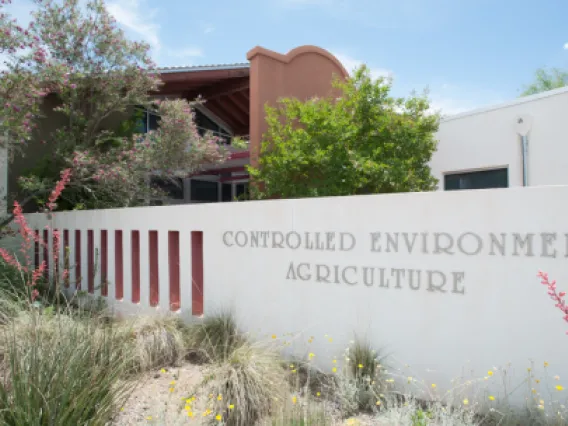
(196, 68)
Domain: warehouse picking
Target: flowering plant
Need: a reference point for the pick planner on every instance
(558, 297)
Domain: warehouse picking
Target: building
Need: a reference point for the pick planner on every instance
(235, 96)
(484, 148)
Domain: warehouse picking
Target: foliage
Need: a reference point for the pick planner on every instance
(153, 341)
(61, 371)
(546, 80)
(250, 380)
(74, 54)
(363, 142)
(215, 338)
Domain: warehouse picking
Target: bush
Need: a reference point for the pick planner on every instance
(215, 338)
(361, 385)
(153, 341)
(61, 371)
(250, 380)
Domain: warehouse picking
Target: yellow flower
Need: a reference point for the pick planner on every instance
(334, 361)
(378, 403)
(409, 379)
(466, 401)
(311, 355)
(330, 340)
(490, 373)
(559, 387)
(545, 364)
(190, 414)
(291, 365)
(188, 408)
(541, 401)
(334, 369)
(294, 400)
(122, 409)
(210, 396)
(274, 336)
(360, 365)
(163, 370)
(172, 389)
(529, 369)
(173, 382)
(433, 385)
(491, 398)
(389, 380)
(220, 397)
(231, 407)
(537, 381)
(533, 390)
(149, 418)
(218, 417)
(293, 371)
(318, 394)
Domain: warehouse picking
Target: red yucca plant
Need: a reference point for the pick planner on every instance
(558, 297)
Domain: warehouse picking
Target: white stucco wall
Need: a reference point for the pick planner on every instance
(492, 310)
(486, 138)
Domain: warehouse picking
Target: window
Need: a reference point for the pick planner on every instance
(241, 191)
(172, 187)
(484, 179)
(204, 191)
(205, 124)
(147, 120)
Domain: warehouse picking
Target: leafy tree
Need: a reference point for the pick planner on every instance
(546, 80)
(73, 52)
(363, 142)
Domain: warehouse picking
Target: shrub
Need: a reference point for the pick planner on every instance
(247, 385)
(153, 341)
(361, 385)
(215, 338)
(61, 371)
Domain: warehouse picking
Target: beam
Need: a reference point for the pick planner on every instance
(222, 114)
(217, 90)
(237, 100)
(221, 171)
(231, 109)
(233, 178)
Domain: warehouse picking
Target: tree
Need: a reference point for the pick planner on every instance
(73, 52)
(546, 80)
(364, 142)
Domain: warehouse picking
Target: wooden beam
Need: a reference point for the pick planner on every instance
(231, 109)
(214, 91)
(222, 114)
(237, 100)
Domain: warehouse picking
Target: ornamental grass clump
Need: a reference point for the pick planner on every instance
(59, 370)
(214, 339)
(247, 386)
(153, 341)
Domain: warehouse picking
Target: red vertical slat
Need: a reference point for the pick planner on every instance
(173, 263)
(66, 256)
(46, 252)
(118, 271)
(154, 271)
(78, 277)
(135, 244)
(104, 262)
(91, 261)
(197, 272)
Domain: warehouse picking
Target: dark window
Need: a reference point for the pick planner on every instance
(205, 124)
(202, 190)
(227, 192)
(241, 191)
(147, 121)
(496, 178)
(172, 187)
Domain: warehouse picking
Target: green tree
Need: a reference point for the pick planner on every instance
(363, 142)
(546, 80)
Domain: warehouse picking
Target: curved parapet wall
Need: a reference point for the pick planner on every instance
(302, 73)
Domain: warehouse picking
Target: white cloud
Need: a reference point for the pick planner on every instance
(137, 18)
(351, 64)
(190, 52)
(566, 46)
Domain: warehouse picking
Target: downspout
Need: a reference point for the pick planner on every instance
(522, 127)
(525, 149)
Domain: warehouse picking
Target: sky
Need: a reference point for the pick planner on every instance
(468, 54)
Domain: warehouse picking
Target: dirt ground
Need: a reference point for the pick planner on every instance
(160, 399)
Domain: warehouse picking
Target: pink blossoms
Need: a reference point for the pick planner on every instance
(554, 295)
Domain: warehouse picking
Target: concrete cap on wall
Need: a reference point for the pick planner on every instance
(294, 53)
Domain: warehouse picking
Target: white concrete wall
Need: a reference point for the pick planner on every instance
(491, 311)
(487, 138)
